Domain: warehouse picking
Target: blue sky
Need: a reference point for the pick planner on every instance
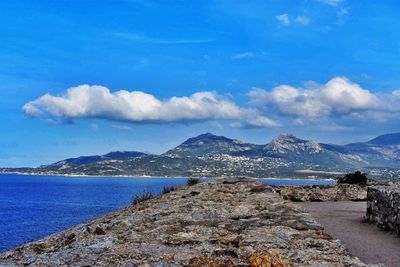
(320, 69)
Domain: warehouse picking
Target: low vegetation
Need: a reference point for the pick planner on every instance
(167, 189)
(145, 195)
(357, 177)
(192, 181)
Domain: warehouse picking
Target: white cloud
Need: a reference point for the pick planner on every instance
(87, 101)
(302, 20)
(243, 55)
(337, 97)
(284, 19)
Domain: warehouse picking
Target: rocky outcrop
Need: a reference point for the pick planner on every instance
(342, 192)
(235, 222)
(383, 207)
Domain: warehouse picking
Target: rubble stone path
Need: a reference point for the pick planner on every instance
(343, 220)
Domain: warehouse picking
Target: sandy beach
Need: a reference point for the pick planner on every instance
(343, 220)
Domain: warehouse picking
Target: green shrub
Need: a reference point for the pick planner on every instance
(353, 178)
(192, 181)
(145, 195)
(167, 189)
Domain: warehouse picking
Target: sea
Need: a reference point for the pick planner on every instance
(33, 206)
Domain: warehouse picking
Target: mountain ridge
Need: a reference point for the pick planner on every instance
(114, 155)
(211, 155)
(386, 139)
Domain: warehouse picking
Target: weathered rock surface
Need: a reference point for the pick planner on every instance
(341, 192)
(223, 223)
(383, 207)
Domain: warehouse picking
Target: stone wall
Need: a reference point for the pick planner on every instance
(383, 207)
(341, 192)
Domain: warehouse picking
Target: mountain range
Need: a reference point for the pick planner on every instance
(211, 155)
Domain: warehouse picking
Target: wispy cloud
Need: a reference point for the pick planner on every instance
(342, 12)
(122, 127)
(243, 55)
(284, 19)
(153, 40)
(331, 2)
(94, 127)
(302, 20)
(216, 125)
(141, 64)
(333, 127)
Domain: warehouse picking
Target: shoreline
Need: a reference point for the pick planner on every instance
(165, 177)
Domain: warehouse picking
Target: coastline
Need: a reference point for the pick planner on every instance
(167, 177)
(107, 176)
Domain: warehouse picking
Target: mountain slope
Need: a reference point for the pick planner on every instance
(211, 155)
(209, 144)
(386, 139)
(295, 149)
(117, 155)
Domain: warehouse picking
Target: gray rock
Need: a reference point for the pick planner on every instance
(343, 192)
(226, 223)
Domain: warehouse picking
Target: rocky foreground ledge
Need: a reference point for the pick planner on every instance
(236, 222)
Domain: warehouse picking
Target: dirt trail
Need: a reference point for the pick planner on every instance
(342, 220)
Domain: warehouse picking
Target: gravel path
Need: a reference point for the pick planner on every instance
(342, 220)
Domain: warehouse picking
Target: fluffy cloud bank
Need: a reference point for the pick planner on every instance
(338, 97)
(87, 101)
(336, 102)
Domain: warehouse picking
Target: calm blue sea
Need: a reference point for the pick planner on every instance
(32, 207)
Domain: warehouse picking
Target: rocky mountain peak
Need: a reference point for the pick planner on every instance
(285, 137)
(285, 143)
(207, 137)
(209, 153)
(208, 144)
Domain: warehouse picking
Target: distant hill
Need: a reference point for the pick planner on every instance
(211, 155)
(386, 139)
(117, 155)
